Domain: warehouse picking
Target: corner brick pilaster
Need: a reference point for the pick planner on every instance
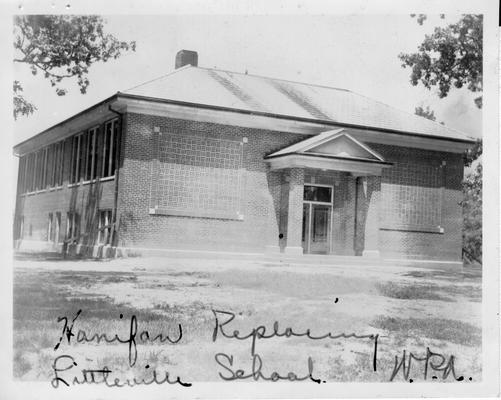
(371, 234)
(295, 211)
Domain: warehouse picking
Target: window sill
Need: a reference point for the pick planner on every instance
(414, 228)
(197, 214)
(106, 179)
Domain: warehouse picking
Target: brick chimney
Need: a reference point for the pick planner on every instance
(185, 57)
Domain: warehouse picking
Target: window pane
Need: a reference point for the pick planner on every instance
(57, 227)
(94, 154)
(317, 193)
(49, 228)
(82, 156)
(74, 159)
(60, 162)
(115, 146)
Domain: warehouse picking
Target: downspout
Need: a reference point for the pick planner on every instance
(114, 238)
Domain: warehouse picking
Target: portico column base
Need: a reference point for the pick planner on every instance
(371, 253)
(293, 250)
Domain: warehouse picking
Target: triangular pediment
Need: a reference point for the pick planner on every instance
(336, 144)
(343, 146)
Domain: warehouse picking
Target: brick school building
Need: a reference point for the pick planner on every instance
(205, 159)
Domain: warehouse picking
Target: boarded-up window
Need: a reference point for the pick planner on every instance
(412, 196)
(198, 176)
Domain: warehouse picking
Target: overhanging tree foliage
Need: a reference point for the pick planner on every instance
(425, 112)
(449, 57)
(60, 47)
(472, 215)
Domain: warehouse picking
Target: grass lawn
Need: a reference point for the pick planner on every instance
(411, 309)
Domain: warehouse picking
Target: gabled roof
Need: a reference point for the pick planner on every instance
(251, 93)
(335, 144)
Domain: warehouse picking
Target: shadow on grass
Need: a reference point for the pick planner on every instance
(46, 295)
(433, 328)
(461, 274)
(430, 291)
(53, 257)
(411, 292)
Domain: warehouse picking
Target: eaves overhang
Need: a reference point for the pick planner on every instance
(67, 127)
(126, 102)
(319, 122)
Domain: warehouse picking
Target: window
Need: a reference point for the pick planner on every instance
(110, 146)
(412, 196)
(322, 194)
(75, 159)
(42, 169)
(104, 236)
(73, 227)
(38, 169)
(91, 167)
(43, 172)
(198, 176)
(50, 231)
(82, 157)
(21, 176)
(49, 173)
(30, 173)
(59, 164)
(21, 227)
(57, 227)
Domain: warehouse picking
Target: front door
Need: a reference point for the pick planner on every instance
(317, 227)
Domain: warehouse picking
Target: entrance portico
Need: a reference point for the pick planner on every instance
(330, 195)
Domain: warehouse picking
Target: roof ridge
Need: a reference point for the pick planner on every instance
(163, 76)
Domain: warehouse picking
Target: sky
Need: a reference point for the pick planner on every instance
(355, 52)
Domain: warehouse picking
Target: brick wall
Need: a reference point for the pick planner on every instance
(84, 199)
(421, 191)
(264, 196)
(259, 192)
